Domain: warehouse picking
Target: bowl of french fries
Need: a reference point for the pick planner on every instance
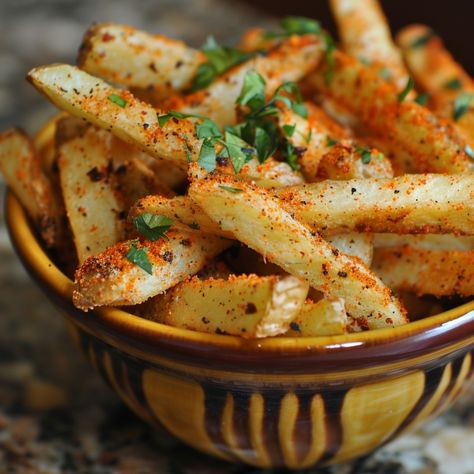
(266, 250)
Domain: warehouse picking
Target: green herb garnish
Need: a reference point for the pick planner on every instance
(163, 119)
(454, 84)
(330, 142)
(403, 94)
(219, 60)
(289, 130)
(366, 154)
(422, 40)
(139, 257)
(422, 98)
(385, 73)
(330, 58)
(295, 25)
(116, 99)
(461, 105)
(153, 226)
(231, 189)
(291, 156)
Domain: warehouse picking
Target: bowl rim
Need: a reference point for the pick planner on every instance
(431, 332)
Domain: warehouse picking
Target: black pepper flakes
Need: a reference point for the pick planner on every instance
(95, 174)
(250, 308)
(167, 256)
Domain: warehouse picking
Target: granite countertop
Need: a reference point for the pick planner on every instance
(56, 415)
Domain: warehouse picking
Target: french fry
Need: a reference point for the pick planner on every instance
(133, 121)
(437, 72)
(327, 317)
(290, 60)
(433, 144)
(365, 34)
(110, 278)
(152, 64)
(253, 39)
(425, 241)
(414, 269)
(21, 168)
(249, 306)
(405, 204)
(353, 244)
(93, 206)
(258, 220)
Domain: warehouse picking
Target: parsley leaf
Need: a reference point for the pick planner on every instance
(330, 48)
(290, 155)
(469, 151)
(289, 129)
(330, 142)
(139, 257)
(263, 144)
(454, 84)
(461, 105)
(207, 155)
(153, 226)
(231, 189)
(253, 91)
(163, 119)
(295, 25)
(422, 98)
(422, 40)
(219, 60)
(237, 150)
(116, 99)
(403, 94)
(208, 129)
(366, 155)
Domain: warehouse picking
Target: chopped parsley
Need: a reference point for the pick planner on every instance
(153, 226)
(290, 154)
(116, 99)
(422, 40)
(230, 189)
(422, 98)
(403, 94)
(454, 84)
(289, 130)
(469, 151)
(330, 142)
(219, 59)
(139, 256)
(461, 105)
(163, 119)
(295, 25)
(330, 58)
(366, 154)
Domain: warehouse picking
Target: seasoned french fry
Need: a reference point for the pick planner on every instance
(432, 143)
(365, 34)
(154, 64)
(354, 245)
(254, 39)
(110, 278)
(248, 306)
(117, 111)
(93, 206)
(405, 204)
(414, 269)
(21, 168)
(425, 241)
(290, 60)
(327, 317)
(258, 220)
(433, 67)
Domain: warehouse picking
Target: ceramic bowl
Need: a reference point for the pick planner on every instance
(293, 402)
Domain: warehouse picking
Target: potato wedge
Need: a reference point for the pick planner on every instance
(290, 60)
(327, 317)
(425, 241)
(432, 143)
(153, 64)
(405, 204)
(248, 306)
(89, 187)
(365, 34)
(117, 111)
(437, 72)
(258, 220)
(414, 269)
(21, 168)
(110, 278)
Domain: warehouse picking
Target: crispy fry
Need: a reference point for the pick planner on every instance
(21, 168)
(365, 34)
(432, 144)
(258, 220)
(111, 279)
(152, 64)
(327, 317)
(425, 241)
(290, 60)
(433, 67)
(92, 99)
(248, 306)
(93, 204)
(406, 204)
(414, 270)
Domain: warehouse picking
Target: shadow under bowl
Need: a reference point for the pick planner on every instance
(281, 402)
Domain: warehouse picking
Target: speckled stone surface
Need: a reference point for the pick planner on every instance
(56, 415)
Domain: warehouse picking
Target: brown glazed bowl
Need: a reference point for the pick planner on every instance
(293, 402)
